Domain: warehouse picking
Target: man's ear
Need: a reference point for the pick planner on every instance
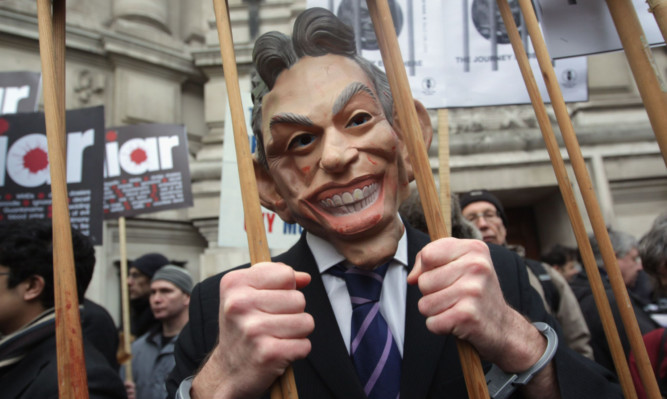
(34, 287)
(426, 130)
(269, 196)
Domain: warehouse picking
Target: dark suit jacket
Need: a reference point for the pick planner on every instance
(431, 367)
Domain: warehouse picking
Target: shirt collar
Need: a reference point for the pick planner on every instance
(326, 255)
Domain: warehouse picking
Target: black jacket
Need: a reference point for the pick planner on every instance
(36, 375)
(431, 367)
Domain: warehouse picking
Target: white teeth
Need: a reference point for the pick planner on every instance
(350, 202)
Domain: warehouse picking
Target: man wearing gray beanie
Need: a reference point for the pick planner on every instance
(153, 352)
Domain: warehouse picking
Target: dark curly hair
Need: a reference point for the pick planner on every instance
(26, 248)
(316, 32)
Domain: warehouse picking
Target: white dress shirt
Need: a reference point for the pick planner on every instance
(392, 298)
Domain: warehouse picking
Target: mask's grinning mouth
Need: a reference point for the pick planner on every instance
(351, 202)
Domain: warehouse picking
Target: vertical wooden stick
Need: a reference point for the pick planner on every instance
(443, 174)
(398, 80)
(258, 246)
(659, 10)
(570, 203)
(71, 363)
(125, 298)
(650, 83)
(590, 201)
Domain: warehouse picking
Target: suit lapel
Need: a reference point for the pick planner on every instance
(328, 357)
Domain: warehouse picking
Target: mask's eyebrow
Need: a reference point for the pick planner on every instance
(348, 92)
(290, 118)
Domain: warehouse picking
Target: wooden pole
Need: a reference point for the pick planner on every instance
(71, 363)
(597, 221)
(125, 299)
(659, 10)
(398, 81)
(592, 207)
(570, 204)
(258, 246)
(652, 87)
(443, 161)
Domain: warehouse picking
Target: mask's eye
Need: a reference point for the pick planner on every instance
(301, 141)
(359, 119)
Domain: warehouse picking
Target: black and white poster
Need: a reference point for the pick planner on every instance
(451, 56)
(19, 91)
(575, 28)
(25, 179)
(146, 170)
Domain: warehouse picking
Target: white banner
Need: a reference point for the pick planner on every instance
(586, 27)
(231, 224)
(451, 59)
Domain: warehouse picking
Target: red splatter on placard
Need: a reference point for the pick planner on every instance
(35, 160)
(4, 125)
(138, 156)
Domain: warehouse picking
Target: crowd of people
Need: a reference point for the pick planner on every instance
(365, 305)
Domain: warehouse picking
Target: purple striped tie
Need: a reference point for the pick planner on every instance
(372, 347)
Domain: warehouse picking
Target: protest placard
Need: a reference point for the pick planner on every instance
(146, 170)
(19, 91)
(451, 58)
(575, 28)
(25, 178)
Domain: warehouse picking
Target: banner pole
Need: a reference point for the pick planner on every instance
(659, 10)
(595, 215)
(125, 299)
(398, 81)
(652, 87)
(72, 381)
(258, 246)
(443, 168)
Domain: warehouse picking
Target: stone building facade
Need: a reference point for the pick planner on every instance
(159, 61)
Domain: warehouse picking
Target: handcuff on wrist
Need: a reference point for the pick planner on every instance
(501, 385)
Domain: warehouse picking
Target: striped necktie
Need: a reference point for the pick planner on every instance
(372, 347)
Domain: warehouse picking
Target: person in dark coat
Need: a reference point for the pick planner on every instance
(99, 328)
(331, 157)
(28, 358)
(629, 263)
(140, 273)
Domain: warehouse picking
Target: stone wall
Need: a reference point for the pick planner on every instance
(159, 61)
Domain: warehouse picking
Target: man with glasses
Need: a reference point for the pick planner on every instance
(485, 211)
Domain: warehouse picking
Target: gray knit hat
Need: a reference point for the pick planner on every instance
(175, 275)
